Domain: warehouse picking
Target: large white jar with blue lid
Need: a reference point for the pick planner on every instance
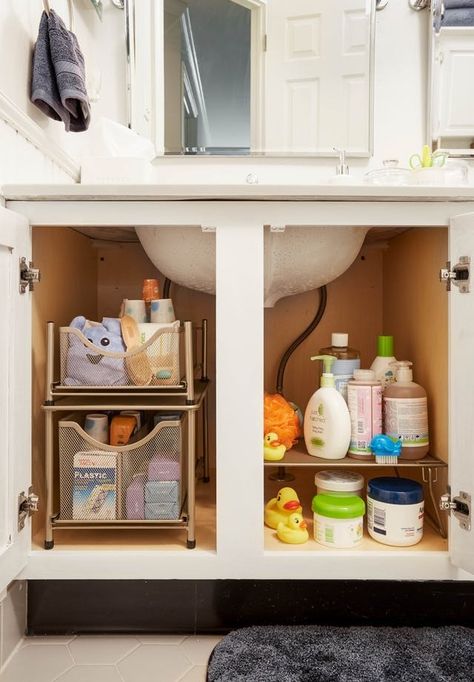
(395, 511)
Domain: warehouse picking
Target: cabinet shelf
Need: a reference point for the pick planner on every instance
(298, 457)
(109, 401)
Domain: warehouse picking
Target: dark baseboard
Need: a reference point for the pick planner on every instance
(57, 607)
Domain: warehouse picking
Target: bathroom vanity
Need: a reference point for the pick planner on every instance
(393, 287)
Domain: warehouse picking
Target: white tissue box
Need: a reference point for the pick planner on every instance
(123, 170)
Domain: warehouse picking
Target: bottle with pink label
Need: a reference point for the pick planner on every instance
(364, 399)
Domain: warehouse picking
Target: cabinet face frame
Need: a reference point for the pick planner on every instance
(239, 228)
(15, 395)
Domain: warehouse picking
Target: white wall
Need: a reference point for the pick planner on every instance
(103, 45)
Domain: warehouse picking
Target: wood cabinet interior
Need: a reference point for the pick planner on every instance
(85, 276)
(392, 288)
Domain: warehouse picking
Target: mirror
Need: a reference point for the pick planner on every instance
(239, 77)
(451, 110)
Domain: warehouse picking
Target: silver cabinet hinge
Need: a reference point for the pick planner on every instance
(460, 506)
(28, 276)
(26, 507)
(459, 274)
(265, 43)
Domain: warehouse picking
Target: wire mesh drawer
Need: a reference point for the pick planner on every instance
(139, 481)
(155, 363)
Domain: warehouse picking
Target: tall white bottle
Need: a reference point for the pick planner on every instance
(327, 422)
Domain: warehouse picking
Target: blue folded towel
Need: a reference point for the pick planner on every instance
(162, 511)
(458, 4)
(458, 17)
(58, 79)
(162, 491)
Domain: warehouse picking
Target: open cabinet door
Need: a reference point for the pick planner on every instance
(317, 76)
(15, 394)
(461, 395)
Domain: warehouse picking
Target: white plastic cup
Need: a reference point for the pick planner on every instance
(97, 427)
(135, 308)
(162, 311)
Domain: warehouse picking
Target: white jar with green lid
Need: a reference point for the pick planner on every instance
(341, 483)
(338, 521)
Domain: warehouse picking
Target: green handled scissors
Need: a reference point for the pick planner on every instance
(427, 159)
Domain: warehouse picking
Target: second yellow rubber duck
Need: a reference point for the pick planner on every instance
(278, 509)
(294, 532)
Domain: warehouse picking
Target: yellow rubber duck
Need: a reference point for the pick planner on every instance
(294, 532)
(273, 450)
(278, 509)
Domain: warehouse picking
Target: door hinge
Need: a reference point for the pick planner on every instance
(265, 42)
(460, 506)
(459, 274)
(28, 276)
(26, 507)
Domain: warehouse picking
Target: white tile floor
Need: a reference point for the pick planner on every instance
(120, 658)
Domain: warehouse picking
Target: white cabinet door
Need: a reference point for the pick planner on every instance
(317, 75)
(453, 69)
(15, 394)
(461, 392)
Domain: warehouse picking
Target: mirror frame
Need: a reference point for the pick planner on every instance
(146, 92)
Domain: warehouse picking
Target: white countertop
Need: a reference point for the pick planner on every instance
(149, 192)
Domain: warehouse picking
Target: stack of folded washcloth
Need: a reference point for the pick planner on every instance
(58, 82)
(458, 13)
(155, 495)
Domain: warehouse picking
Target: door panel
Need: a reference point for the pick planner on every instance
(461, 391)
(15, 394)
(317, 87)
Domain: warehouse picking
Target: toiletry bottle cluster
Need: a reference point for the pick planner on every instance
(371, 413)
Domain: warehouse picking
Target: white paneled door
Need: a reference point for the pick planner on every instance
(15, 394)
(317, 76)
(461, 393)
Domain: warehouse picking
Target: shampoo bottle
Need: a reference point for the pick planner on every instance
(384, 372)
(406, 412)
(347, 360)
(327, 423)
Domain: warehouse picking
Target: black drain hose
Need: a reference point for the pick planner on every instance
(323, 298)
(166, 288)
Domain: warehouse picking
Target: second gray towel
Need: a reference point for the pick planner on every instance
(458, 17)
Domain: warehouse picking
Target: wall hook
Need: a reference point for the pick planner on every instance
(418, 5)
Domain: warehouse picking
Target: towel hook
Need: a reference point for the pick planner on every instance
(47, 9)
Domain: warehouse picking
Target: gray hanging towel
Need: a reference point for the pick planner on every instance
(69, 67)
(44, 88)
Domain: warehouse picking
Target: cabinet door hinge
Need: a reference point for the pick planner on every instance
(459, 274)
(265, 42)
(28, 276)
(460, 506)
(26, 507)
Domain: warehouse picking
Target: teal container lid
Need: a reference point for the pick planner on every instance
(385, 346)
(338, 507)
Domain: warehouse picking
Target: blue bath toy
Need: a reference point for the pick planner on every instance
(385, 449)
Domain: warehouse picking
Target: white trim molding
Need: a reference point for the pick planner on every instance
(17, 119)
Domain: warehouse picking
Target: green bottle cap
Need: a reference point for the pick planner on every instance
(349, 507)
(385, 346)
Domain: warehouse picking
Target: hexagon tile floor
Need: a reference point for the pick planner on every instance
(119, 658)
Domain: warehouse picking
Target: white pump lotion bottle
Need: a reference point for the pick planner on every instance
(327, 422)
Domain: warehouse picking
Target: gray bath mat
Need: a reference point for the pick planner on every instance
(314, 653)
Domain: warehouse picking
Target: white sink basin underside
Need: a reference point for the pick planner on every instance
(297, 259)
